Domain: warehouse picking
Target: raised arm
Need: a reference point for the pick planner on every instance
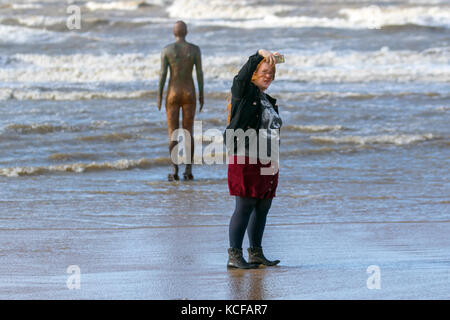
(199, 71)
(162, 77)
(243, 78)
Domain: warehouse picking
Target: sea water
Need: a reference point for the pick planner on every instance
(364, 96)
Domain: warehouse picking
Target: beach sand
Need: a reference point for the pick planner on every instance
(364, 183)
(318, 261)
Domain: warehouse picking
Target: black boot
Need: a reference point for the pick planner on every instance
(255, 255)
(174, 176)
(236, 260)
(187, 175)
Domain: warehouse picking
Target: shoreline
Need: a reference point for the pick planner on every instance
(318, 261)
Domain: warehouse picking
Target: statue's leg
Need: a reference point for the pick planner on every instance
(188, 124)
(173, 123)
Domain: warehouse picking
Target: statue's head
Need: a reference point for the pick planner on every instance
(180, 29)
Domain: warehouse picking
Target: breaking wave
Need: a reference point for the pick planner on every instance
(398, 139)
(40, 128)
(239, 14)
(330, 66)
(128, 5)
(123, 164)
(313, 128)
(37, 94)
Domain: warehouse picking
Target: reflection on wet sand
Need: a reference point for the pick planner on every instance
(318, 261)
(248, 285)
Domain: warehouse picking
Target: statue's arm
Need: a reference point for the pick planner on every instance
(162, 76)
(199, 71)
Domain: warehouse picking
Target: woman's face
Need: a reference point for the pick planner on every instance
(263, 76)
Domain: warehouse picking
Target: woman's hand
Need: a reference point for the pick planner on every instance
(268, 56)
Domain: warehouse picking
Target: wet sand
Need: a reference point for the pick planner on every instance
(318, 261)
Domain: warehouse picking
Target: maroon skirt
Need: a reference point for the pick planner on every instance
(254, 180)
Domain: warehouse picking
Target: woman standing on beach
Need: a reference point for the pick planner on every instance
(252, 109)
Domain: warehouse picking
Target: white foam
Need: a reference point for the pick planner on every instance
(432, 65)
(381, 65)
(426, 1)
(219, 9)
(249, 15)
(122, 164)
(6, 94)
(314, 128)
(316, 95)
(39, 21)
(397, 139)
(377, 17)
(443, 108)
(21, 35)
(57, 23)
(129, 5)
(36, 94)
(41, 128)
(82, 68)
(22, 6)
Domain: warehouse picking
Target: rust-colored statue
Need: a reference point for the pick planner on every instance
(181, 57)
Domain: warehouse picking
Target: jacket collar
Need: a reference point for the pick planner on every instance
(273, 101)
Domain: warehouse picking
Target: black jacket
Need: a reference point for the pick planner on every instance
(245, 102)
